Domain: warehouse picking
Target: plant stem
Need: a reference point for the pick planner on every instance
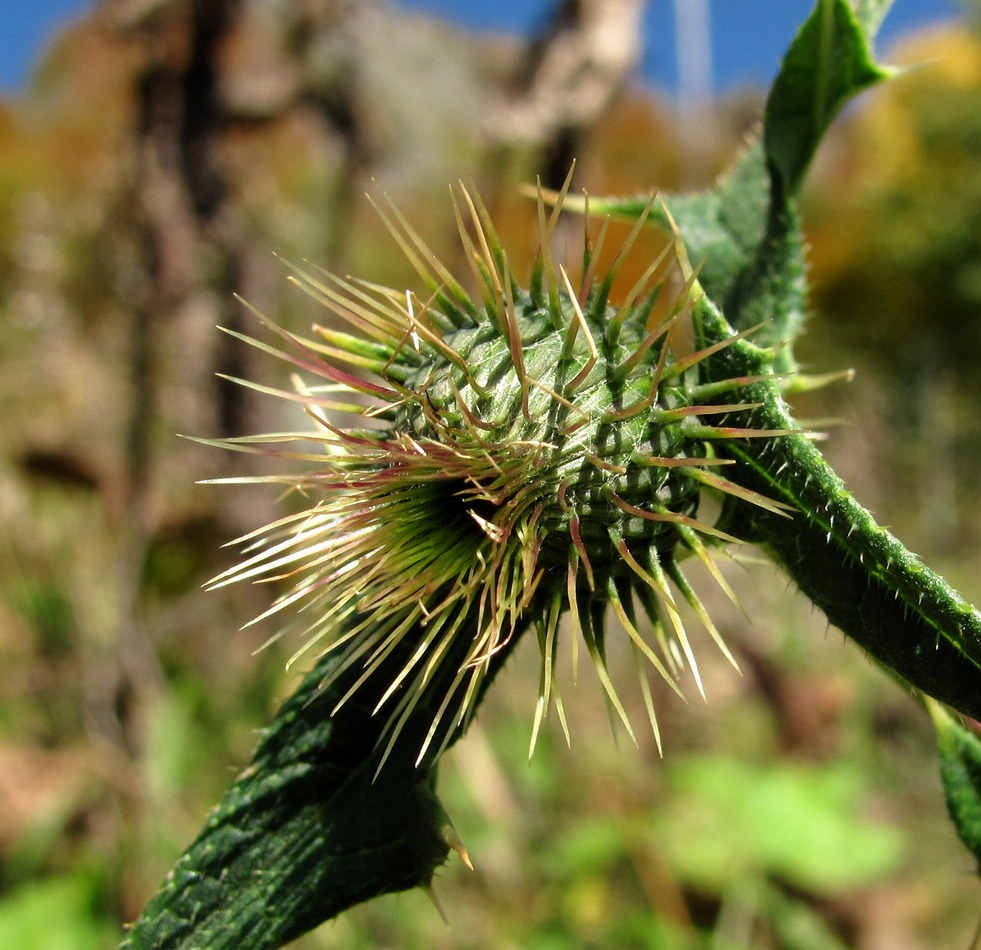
(865, 581)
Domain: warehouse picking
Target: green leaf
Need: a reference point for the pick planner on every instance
(307, 830)
(721, 228)
(746, 231)
(960, 770)
(751, 266)
(870, 14)
(829, 61)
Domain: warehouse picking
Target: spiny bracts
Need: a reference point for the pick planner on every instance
(521, 455)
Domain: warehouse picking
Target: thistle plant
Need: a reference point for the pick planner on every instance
(536, 452)
(483, 463)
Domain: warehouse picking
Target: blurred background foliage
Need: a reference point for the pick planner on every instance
(161, 155)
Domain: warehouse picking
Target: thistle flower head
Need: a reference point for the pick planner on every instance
(514, 457)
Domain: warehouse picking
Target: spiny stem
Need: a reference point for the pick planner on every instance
(866, 582)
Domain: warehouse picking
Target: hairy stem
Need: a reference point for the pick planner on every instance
(866, 582)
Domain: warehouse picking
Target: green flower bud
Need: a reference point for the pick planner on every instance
(534, 452)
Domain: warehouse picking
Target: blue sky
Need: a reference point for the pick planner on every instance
(748, 38)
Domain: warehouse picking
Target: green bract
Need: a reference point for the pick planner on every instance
(535, 452)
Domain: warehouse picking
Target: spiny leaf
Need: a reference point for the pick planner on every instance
(746, 229)
(829, 61)
(960, 769)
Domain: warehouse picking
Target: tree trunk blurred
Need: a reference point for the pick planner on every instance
(569, 75)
